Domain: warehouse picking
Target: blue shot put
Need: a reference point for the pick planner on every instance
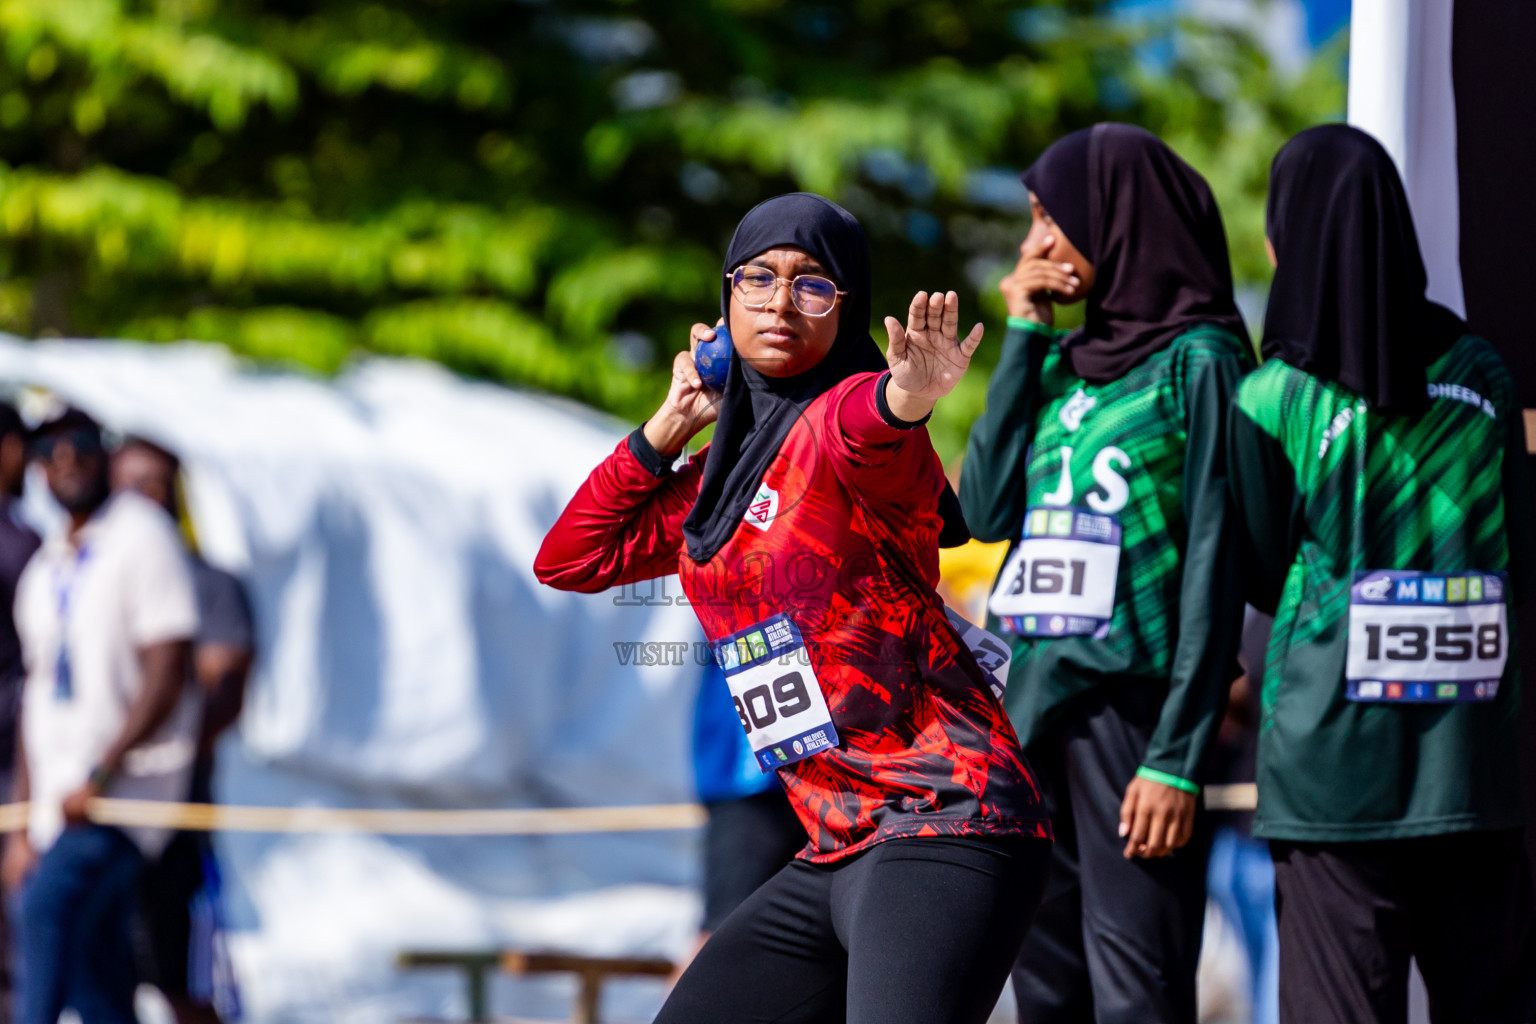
(713, 359)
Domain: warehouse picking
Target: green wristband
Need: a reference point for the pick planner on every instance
(1168, 780)
(1025, 324)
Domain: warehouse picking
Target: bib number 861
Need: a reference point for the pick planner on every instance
(1451, 643)
(764, 704)
(1045, 576)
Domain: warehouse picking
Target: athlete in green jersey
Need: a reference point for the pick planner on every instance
(1144, 449)
(1377, 464)
(1100, 456)
(1335, 494)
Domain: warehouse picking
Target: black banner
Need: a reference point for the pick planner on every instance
(1494, 73)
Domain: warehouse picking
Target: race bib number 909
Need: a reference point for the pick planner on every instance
(777, 695)
(1423, 637)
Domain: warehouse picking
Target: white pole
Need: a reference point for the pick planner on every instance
(1400, 91)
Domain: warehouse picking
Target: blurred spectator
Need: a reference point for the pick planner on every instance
(752, 830)
(17, 543)
(106, 613)
(1240, 876)
(221, 663)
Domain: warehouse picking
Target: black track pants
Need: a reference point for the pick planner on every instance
(912, 931)
(1115, 941)
(1352, 914)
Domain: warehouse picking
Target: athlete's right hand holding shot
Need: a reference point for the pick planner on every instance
(1378, 468)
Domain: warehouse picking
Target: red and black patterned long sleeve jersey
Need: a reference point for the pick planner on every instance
(843, 538)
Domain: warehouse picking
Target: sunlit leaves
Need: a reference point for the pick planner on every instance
(374, 45)
(198, 68)
(144, 224)
(496, 340)
(539, 192)
(281, 334)
(586, 295)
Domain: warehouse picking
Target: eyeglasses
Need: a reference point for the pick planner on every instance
(755, 287)
(81, 441)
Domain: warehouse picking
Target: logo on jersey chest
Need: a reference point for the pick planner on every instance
(1075, 409)
(1111, 490)
(764, 507)
(1340, 424)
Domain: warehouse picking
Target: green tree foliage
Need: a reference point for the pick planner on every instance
(538, 192)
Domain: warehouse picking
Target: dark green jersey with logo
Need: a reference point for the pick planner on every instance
(1149, 450)
(1332, 495)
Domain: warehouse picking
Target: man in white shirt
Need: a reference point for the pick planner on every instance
(221, 662)
(106, 614)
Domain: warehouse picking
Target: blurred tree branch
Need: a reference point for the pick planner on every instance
(538, 193)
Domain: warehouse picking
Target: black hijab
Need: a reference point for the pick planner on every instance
(757, 411)
(1062, 173)
(1347, 303)
(1148, 223)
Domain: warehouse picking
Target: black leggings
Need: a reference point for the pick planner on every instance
(912, 931)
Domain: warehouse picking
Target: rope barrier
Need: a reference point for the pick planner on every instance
(490, 822)
(1236, 796)
(533, 821)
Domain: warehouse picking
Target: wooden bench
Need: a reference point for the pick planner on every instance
(591, 972)
(474, 964)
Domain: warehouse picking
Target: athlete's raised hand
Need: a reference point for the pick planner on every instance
(927, 357)
(689, 406)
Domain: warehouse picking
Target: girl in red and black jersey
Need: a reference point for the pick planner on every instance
(806, 536)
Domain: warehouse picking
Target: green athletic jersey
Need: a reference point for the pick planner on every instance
(1326, 488)
(1148, 448)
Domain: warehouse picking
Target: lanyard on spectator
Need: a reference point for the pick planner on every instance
(63, 677)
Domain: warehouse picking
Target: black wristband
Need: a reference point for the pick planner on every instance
(655, 463)
(891, 419)
(100, 778)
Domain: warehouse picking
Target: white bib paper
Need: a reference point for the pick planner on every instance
(1060, 579)
(989, 650)
(1426, 637)
(777, 695)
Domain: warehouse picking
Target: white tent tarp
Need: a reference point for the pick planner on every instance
(386, 524)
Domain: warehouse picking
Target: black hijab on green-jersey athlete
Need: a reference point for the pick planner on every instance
(1347, 302)
(1149, 225)
(1110, 441)
(1377, 469)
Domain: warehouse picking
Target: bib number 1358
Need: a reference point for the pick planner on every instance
(1411, 642)
(1426, 637)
